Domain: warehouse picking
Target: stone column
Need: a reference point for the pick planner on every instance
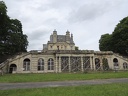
(59, 63)
(82, 64)
(69, 65)
(56, 65)
(91, 62)
(101, 63)
(45, 64)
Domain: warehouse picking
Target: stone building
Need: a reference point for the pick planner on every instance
(59, 55)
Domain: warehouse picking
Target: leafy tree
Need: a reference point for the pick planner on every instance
(118, 40)
(12, 39)
(76, 48)
(104, 42)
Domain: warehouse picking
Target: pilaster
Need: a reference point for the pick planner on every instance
(91, 63)
(69, 65)
(56, 67)
(82, 64)
(59, 63)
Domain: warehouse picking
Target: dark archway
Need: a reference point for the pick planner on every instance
(115, 62)
(12, 68)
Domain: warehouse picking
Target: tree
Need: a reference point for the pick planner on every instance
(76, 48)
(118, 40)
(12, 39)
(104, 42)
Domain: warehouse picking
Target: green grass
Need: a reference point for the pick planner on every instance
(88, 90)
(60, 76)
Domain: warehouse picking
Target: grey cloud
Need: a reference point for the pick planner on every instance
(91, 11)
(38, 34)
(86, 19)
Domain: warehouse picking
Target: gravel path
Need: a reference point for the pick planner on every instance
(6, 86)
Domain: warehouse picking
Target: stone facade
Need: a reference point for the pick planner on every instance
(59, 55)
(60, 42)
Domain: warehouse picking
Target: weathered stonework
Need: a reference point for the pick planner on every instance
(59, 55)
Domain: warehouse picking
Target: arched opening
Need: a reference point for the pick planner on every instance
(115, 62)
(105, 64)
(50, 64)
(40, 64)
(26, 64)
(97, 63)
(12, 68)
(125, 65)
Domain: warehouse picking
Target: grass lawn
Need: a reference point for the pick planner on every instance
(60, 76)
(87, 90)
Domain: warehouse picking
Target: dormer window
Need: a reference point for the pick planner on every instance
(58, 47)
(61, 46)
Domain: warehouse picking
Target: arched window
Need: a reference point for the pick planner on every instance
(105, 64)
(97, 63)
(115, 62)
(40, 64)
(12, 68)
(125, 65)
(26, 64)
(50, 64)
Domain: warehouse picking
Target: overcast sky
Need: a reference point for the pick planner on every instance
(87, 20)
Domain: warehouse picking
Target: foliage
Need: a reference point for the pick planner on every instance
(60, 76)
(76, 48)
(120, 89)
(12, 39)
(118, 40)
(105, 40)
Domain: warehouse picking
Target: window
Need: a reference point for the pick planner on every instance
(58, 47)
(97, 63)
(12, 68)
(61, 46)
(26, 65)
(40, 64)
(115, 62)
(50, 64)
(125, 65)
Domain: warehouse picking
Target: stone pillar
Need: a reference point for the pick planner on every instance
(59, 63)
(101, 63)
(45, 64)
(91, 63)
(93, 60)
(69, 65)
(56, 65)
(82, 64)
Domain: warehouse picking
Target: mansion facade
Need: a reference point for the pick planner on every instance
(59, 55)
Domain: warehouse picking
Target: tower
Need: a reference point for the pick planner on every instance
(54, 36)
(68, 36)
(71, 38)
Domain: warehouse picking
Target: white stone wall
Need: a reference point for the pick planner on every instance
(34, 57)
